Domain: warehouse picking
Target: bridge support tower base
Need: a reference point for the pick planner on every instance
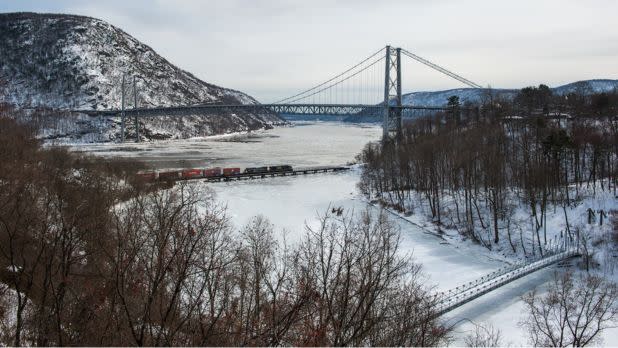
(392, 113)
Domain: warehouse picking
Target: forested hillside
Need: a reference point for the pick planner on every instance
(497, 175)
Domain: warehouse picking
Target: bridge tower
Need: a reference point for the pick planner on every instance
(392, 94)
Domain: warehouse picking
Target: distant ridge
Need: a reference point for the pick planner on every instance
(476, 96)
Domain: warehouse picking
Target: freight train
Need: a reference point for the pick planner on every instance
(196, 173)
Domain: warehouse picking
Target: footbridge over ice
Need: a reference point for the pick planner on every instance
(459, 296)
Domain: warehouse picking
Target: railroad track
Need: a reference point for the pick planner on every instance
(251, 176)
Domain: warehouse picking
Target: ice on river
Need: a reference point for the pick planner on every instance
(302, 145)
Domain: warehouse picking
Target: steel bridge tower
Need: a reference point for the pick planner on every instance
(392, 94)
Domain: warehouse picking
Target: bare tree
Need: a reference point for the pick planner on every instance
(6, 325)
(574, 312)
(587, 250)
(159, 257)
(365, 292)
(90, 256)
(484, 335)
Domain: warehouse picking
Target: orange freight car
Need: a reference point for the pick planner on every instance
(192, 173)
(231, 171)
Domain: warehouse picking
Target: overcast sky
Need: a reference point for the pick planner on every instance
(271, 48)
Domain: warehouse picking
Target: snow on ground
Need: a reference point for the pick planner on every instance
(503, 307)
(521, 222)
(291, 203)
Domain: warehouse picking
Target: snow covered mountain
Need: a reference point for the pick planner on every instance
(587, 87)
(476, 96)
(58, 61)
(440, 98)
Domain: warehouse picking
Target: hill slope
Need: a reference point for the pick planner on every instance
(476, 96)
(57, 61)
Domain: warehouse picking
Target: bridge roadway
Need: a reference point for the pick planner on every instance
(461, 295)
(292, 109)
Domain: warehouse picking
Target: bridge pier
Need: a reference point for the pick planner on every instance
(398, 111)
(392, 93)
(392, 109)
(135, 107)
(122, 112)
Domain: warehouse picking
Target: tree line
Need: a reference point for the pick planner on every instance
(472, 169)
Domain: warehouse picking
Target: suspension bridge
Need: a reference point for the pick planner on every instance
(459, 296)
(372, 87)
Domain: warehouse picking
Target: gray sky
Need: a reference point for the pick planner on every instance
(272, 48)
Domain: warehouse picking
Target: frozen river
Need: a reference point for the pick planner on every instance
(304, 144)
(291, 203)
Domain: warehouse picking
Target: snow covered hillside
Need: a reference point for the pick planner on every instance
(466, 95)
(587, 87)
(58, 61)
(477, 96)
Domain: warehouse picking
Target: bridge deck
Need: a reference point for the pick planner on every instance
(296, 109)
(475, 289)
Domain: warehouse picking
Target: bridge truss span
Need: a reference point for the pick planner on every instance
(292, 109)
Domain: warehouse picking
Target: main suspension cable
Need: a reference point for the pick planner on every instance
(441, 69)
(330, 80)
(334, 84)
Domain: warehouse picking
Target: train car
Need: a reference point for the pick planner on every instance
(148, 176)
(192, 173)
(256, 170)
(280, 169)
(169, 175)
(231, 171)
(212, 172)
